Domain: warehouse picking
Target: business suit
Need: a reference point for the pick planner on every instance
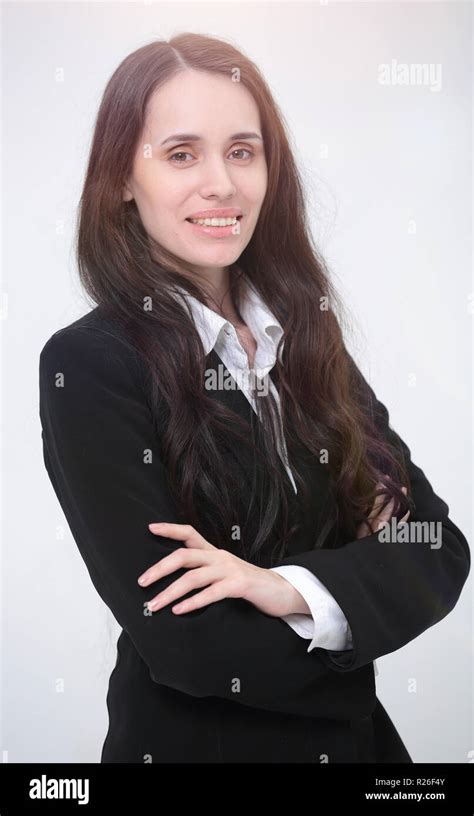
(225, 683)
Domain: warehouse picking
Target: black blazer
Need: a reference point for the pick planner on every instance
(225, 683)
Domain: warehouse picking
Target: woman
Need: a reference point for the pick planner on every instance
(214, 446)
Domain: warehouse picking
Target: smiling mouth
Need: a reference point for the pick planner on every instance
(215, 222)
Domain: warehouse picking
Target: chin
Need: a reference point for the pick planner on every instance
(216, 258)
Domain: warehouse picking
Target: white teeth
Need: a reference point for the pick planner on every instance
(214, 222)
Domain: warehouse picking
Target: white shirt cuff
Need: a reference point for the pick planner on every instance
(326, 626)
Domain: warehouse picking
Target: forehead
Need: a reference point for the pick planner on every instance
(211, 105)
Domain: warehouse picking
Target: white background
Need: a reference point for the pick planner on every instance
(375, 159)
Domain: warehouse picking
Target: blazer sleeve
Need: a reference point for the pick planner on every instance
(100, 451)
(393, 590)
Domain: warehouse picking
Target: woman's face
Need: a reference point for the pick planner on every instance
(175, 177)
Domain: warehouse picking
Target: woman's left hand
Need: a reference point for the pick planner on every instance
(223, 574)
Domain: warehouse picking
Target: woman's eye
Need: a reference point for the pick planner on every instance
(184, 153)
(243, 150)
(179, 153)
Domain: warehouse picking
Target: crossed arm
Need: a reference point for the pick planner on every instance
(96, 429)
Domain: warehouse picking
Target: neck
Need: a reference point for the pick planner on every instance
(217, 293)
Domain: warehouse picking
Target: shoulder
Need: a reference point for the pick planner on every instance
(96, 343)
(92, 330)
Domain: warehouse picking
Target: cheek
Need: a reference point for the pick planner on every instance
(163, 210)
(257, 187)
(159, 193)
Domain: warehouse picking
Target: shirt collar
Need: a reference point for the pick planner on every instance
(261, 321)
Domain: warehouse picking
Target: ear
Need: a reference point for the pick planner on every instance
(127, 195)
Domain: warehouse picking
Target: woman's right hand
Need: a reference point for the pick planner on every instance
(378, 517)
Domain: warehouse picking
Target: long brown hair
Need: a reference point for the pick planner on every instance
(325, 403)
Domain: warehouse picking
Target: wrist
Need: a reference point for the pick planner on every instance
(299, 605)
(295, 604)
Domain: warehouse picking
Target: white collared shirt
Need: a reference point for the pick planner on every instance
(327, 626)
(218, 333)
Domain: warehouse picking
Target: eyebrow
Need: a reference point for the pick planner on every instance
(192, 137)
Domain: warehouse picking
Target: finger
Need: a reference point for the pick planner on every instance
(192, 580)
(405, 517)
(181, 532)
(379, 500)
(361, 530)
(176, 560)
(386, 514)
(216, 592)
(364, 529)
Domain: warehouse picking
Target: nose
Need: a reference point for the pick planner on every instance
(216, 179)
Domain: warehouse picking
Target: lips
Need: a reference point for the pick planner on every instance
(195, 217)
(217, 212)
(210, 231)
